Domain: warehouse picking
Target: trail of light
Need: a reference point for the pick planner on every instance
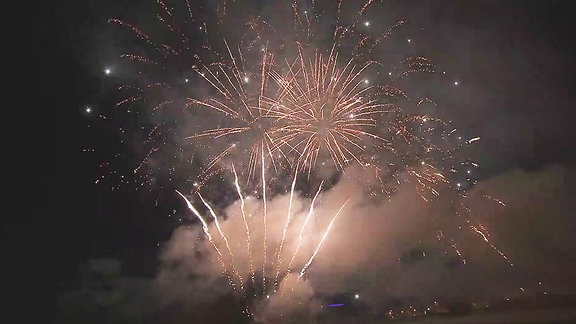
(209, 236)
(288, 216)
(145, 159)
(322, 240)
(217, 223)
(472, 140)
(455, 247)
(475, 229)
(496, 200)
(138, 58)
(129, 99)
(264, 218)
(247, 228)
(149, 137)
(301, 234)
(219, 157)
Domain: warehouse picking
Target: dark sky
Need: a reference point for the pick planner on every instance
(514, 60)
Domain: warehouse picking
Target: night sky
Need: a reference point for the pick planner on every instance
(514, 61)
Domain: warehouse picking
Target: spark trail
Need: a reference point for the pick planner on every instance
(301, 234)
(209, 236)
(288, 215)
(264, 214)
(305, 267)
(217, 223)
(479, 232)
(246, 226)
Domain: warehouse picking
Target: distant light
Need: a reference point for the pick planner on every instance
(366, 23)
(422, 162)
(458, 184)
(366, 81)
(389, 73)
(88, 109)
(107, 71)
(246, 79)
(268, 296)
(443, 72)
(425, 119)
(409, 40)
(305, 11)
(356, 296)
(469, 171)
(455, 83)
(186, 80)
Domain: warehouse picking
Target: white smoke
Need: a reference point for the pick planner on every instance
(365, 251)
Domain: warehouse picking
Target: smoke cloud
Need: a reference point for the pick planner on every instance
(384, 249)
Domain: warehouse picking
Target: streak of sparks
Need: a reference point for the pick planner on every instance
(209, 236)
(145, 159)
(479, 232)
(457, 250)
(217, 223)
(264, 214)
(495, 199)
(305, 267)
(301, 234)
(472, 140)
(247, 228)
(288, 215)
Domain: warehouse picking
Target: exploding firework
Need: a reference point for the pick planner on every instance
(268, 101)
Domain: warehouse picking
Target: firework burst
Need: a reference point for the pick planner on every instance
(263, 107)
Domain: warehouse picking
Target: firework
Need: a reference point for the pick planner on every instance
(263, 106)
